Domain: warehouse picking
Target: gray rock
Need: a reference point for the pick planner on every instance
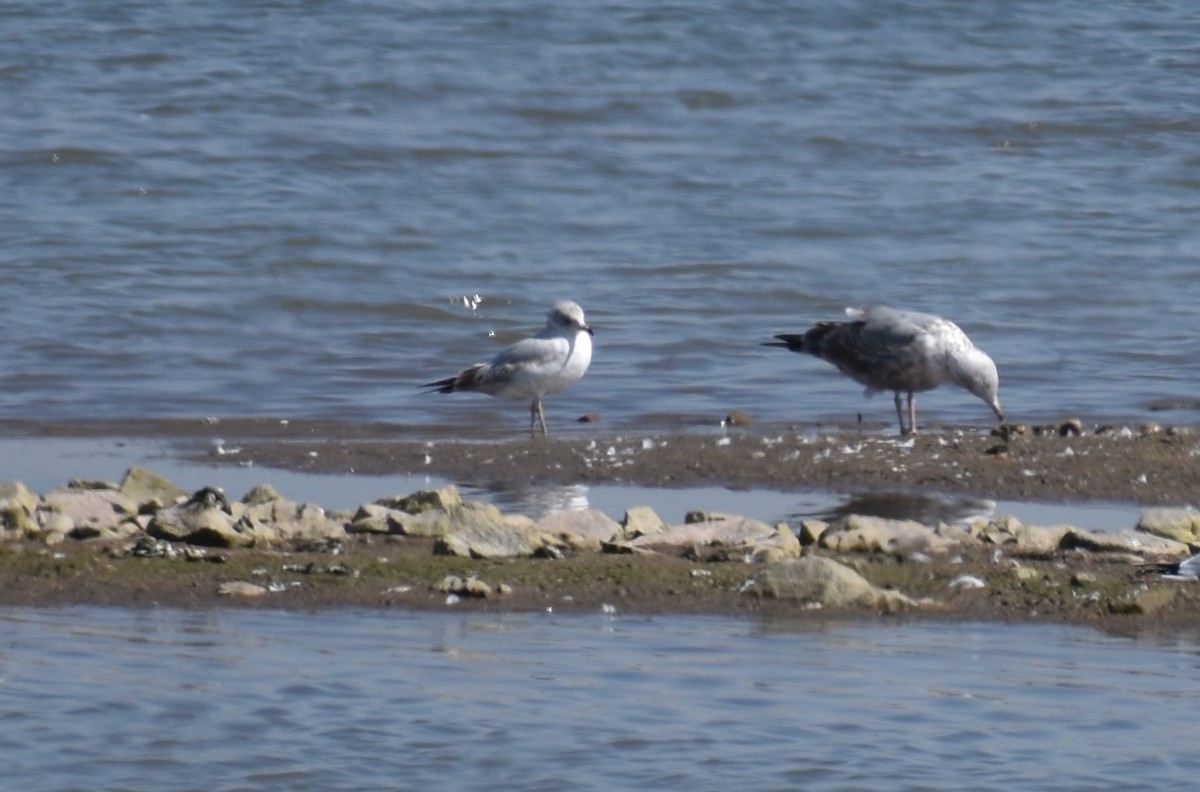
(585, 529)
(729, 532)
(201, 520)
(640, 521)
(55, 527)
(480, 530)
(93, 513)
(1009, 531)
(425, 500)
(284, 520)
(371, 518)
(1143, 602)
(1182, 525)
(93, 531)
(90, 484)
(469, 587)
(1135, 542)
(820, 581)
(781, 545)
(143, 486)
(861, 533)
(238, 588)
(263, 493)
(428, 524)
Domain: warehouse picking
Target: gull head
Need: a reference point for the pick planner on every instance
(567, 314)
(976, 372)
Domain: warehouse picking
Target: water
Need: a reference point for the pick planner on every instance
(44, 463)
(277, 208)
(237, 700)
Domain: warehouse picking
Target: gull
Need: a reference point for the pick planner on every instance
(901, 351)
(549, 362)
(1188, 569)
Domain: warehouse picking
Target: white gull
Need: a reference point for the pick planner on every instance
(902, 351)
(533, 368)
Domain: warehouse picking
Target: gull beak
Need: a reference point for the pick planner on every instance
(586, 329)
(999, 412)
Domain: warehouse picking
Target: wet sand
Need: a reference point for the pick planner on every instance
(1063, 461)
(1142, 465)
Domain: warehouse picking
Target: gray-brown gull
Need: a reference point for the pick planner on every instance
(533, 368)
(901, 351)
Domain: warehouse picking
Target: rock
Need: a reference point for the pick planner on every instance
(94, 513)
(283, 520)
(263, 493)
(1026, 574)
(640, 521)
(811, 531)
(1007, 530)
(17, 506)
(237, 588)
(781, 545)
(429, 524)
(56, 527)
(201, 520)
(861, 533)
(470, 587)
(820, 581)
(732, 537)
(210, 498)
(424, 500)
(143, 486)
(1143, 602)
(480, 530)
(90, 484)
(584, 529)
(371, 518)
(955, 534)
(1182, 525)
(1122, 542)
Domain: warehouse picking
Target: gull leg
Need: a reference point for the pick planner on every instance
(536, 415)
(900, 413)
(912, 413)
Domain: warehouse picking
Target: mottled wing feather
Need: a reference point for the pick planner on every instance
(524, 359)
(881, 352)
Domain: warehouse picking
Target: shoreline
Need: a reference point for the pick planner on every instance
(1062, 462)
(1071, 582)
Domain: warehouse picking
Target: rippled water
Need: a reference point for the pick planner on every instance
(278, 208)
(235, 699)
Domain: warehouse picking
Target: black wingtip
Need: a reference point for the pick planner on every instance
(787, 341)
(441, 386)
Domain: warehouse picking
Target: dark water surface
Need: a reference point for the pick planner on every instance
(288, 209)
(239, 700)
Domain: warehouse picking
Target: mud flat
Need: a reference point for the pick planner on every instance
(136, 543)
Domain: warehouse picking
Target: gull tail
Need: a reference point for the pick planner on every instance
(792, 341)
(462, 381)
